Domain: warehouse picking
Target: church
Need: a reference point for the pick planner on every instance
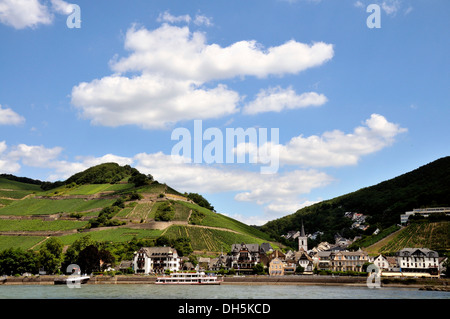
(302, 257)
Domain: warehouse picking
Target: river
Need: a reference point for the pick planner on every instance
(151, 291)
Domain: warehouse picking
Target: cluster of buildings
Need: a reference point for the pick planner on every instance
(324, 257)
(425, 212)
(358, 219)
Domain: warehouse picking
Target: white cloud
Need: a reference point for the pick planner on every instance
(203, 20)
(150, 101)
(390, 6)
(277, 99)
(7, 165)
(175, 67)
(358, 4)
(62, 7)
(334, 148)
(21, 14)
(9, 117)
(176, 52)
(34, 156)
(167, 17)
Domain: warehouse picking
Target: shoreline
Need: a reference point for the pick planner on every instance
(418, 283)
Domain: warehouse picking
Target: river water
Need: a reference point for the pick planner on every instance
(151, 291)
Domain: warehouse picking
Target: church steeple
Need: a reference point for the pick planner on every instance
(302, 233)
(303, 240)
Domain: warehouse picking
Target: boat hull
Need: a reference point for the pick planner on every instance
(187, 279)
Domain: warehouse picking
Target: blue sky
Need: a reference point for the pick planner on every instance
(353, 105)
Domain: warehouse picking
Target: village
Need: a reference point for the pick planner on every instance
(248, 258)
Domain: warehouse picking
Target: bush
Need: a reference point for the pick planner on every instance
(165, 212)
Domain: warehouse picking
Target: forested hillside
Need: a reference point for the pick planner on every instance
(426, 186)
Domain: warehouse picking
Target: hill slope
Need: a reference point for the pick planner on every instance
(112, 203)
(427, 186)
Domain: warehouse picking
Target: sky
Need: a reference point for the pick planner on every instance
(334, 95)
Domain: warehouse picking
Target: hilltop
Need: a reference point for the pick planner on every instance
(426, 186)
(113, 203)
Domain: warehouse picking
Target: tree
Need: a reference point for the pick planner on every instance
(89, 259)
(447, 267)
(258, 269)
(106, 258)
(140, 180)
(18, 261)
(50, 255)
(71, 255)
(299, 269)
(200, 201)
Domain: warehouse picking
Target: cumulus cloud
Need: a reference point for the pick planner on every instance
(167, 17)
(176, 52)
(277, 99)
(21, 14)
(151, 101)
(62, 7)
(9, 117)
(167, 76)
(35, 155)
(334, 148)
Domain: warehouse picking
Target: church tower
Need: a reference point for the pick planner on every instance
(303, 240)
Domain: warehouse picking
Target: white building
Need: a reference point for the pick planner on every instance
(155, 260)
(425, 212)
(418, 260)
(385, 263)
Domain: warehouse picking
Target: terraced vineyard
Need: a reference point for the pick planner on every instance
(210, 239)
(432, 235)
(29, 215)
(42, 206)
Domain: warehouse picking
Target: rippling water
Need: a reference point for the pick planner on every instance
(143, 291)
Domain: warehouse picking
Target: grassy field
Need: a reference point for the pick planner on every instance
(113, 235)
(40, 225)
(16, 190)
(13, 185)
(34, 206)
(24, 242)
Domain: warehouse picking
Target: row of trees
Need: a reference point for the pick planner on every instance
(90, 255)
(84, 252)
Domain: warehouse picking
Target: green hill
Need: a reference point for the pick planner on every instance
(113, 204)
(427, 186)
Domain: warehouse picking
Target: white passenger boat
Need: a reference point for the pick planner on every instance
(188, 278)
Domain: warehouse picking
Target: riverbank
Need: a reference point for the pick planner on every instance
(419, 283)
